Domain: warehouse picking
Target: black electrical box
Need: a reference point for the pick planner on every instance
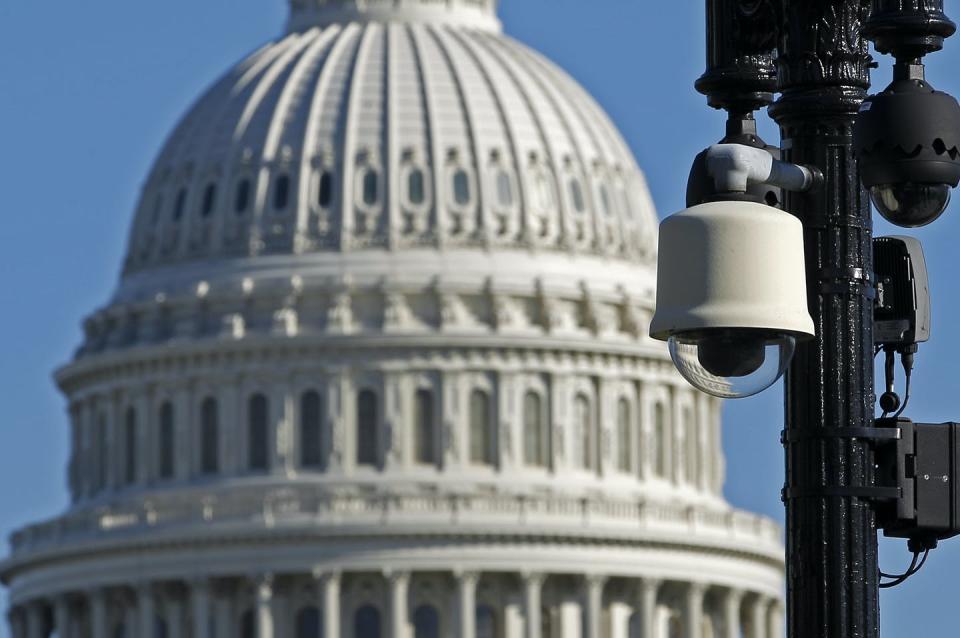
(923, 463)
(902, 309)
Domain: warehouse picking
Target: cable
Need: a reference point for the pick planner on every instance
(913, 565)
(906, 398)
(906, 360)
(914, 568)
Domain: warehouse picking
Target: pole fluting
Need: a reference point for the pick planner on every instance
(831, 535)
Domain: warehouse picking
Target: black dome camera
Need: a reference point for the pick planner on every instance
(907, 140)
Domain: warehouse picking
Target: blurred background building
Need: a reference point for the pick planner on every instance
(377, 365)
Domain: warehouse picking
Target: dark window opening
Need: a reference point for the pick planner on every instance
(281, 192)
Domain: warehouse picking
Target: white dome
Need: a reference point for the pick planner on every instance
(381, 336)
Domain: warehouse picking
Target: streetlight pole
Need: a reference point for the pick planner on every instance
(832, 569)
(822, 73)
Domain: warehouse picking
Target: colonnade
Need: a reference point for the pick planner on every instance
(256, 607)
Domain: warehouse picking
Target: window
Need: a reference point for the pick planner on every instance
(576, 196)
(209, 200)
(533, 430)
(367, 440)
(416, 187)
(310, 425)
(604, 199)
(659, 440)
(308, 623)
(180, 204)
(461, 187)
(425, 444)
(584, 421)
(366, 623)
(693, 446)
(426, 622)
(481, 439)
(209, 436)
(281, 192)
(623, 435)
(165, 465)
(370, 187)
(504, 189)
(248, 624)
(257, 436)
(130, 447)
(486, 622)
(545, 192)
(242, 198)
(325, 190)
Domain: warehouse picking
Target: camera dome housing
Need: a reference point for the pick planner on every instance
(731, 295)
(907, 140)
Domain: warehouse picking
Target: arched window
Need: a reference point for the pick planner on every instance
(242, 197)
(248, 624)
(659, 440)
(209, 200)
(576, 196)
(534, 441)
(584, 420)
(426, 622)
(180, 205)
(130, 446)
(504, 189)
(366, 622)
(367, 417)
(481, 435)
(623, 435)
(281, 192)
(486, 622)
(209, 437)
(416, 187)
(605, 207)
(310, 427)
(258, 448)
(165, 462)
(309, 623)
(461, 187)
(425, 432)
(325, 190)
(693, 445)
(370, 187)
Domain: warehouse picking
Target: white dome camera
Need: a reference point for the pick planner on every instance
(731, 284)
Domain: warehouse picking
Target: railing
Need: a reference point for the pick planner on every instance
(393, 513)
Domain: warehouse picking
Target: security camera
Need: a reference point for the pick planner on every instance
(907, 140)
(731, 288)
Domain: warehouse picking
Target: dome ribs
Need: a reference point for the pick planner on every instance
(349, 144)
(545, 169)
(462, 158)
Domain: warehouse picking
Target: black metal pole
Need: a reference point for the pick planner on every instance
(831, 535)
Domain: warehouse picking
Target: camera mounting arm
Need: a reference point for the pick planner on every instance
(733, 167)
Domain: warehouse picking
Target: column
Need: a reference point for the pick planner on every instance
(264, 603)
(594, 604)
(648, 592)
(693, 610)
(146, 607)
(231, 430)
(328, 601)
(183, 414)
(731, 613)
(200, 607)
(224, 614)
(532, 603)
(174, 618)
(758, 617)
(467, 604)
(61, 616)
(775, 620)
(399, 613)
(98, 612)
(34, 620)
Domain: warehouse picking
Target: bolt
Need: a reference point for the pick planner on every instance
(926, 477)
(946, 479)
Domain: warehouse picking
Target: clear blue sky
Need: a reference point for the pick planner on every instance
(91, 89)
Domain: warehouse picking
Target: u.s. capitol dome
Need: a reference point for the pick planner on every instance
(377, 366)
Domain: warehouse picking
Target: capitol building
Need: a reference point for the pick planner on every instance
(377, 366)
